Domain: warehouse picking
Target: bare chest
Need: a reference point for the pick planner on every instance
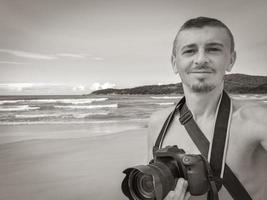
(244, 155)
(177, 135)
(240, 146)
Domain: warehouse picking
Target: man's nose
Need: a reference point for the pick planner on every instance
(201, 58)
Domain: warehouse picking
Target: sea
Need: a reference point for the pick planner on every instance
(29, 110)
(114, 112)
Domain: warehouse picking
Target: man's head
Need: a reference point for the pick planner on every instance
(200, 22)
(202, 51)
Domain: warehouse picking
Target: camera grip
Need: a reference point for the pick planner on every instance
(196, 174)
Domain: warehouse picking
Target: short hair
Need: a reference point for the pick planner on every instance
(201, 22)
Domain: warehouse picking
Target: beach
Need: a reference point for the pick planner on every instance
(72, 147)
(69, 165)
(75, 147)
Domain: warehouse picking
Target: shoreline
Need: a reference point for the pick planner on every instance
(24, 132)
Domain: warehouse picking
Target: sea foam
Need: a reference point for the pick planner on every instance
(18, 108)
(31, 116)
(165, 97)
(88, 106)
(165, 103)
(67, 101)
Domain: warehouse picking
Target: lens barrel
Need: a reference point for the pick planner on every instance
(141, 185)
(148, 182)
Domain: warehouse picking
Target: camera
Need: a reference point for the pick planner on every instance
(155, 180)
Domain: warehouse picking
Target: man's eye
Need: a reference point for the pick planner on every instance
(213, 50)
(189, 51)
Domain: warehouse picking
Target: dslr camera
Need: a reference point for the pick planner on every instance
(155, 180)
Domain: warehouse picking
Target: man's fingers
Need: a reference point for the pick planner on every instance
(179, 193)
(181, 186)
(170, 196)
(187, 196)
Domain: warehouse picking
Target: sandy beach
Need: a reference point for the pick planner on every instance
(62, 167)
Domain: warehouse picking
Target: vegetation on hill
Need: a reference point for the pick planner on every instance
(234, 83)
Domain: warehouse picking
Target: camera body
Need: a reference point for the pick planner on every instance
(188, 166)
(155, 180)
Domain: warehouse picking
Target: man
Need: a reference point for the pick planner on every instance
(203, 51)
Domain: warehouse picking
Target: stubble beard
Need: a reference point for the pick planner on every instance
(202, 86)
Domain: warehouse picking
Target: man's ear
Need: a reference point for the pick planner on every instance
(232, 61)
(174, 66)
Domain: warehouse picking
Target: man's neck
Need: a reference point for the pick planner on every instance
(203, 105)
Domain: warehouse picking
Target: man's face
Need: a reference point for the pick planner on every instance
(203, 56)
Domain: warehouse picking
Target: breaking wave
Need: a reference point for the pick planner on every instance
(165, 97)
(27, 116)
(84, 115)
(19, 108)
(67, 101)
(165, 103)
(88, 106)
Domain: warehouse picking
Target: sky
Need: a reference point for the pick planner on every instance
(77, 46)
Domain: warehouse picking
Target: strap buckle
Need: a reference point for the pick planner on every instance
(185, 117)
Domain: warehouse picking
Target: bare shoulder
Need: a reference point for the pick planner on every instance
(250, 111)
(251, 117)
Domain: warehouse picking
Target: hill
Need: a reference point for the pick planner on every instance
(234, 83)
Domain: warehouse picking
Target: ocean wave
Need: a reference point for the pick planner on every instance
(250, 97)
(165, 97)
(18, 108)
(8, 101)
(71, 101)
(165, 103)
(84, 115)
(31, 116)
(68, 101)
(64, 115)
(59, 122)
(89, 106)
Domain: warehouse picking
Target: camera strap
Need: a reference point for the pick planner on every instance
(213, 193)
(230, 181)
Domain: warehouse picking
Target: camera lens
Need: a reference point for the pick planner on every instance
(145, 185)
(149, 182)
(141, 185)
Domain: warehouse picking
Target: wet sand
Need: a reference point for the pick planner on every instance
(68, 168)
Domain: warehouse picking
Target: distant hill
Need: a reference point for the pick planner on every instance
(234, 83)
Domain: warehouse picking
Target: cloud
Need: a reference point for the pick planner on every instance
(24, 86)
(12, 63)
(31, 55)
(78, 88)
(51, 88)
(35, 88)
(97, 58)
(37, 56)
(99, 86)
(80, 56)
(71, 55)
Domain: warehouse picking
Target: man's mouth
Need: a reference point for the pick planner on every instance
(201, 72)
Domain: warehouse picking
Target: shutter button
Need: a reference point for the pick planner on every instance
(186, 160)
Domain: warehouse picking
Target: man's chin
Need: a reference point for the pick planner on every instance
(202, 88)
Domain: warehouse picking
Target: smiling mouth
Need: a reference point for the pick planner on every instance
(201, 72)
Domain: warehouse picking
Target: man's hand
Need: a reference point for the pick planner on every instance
(179, 193)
